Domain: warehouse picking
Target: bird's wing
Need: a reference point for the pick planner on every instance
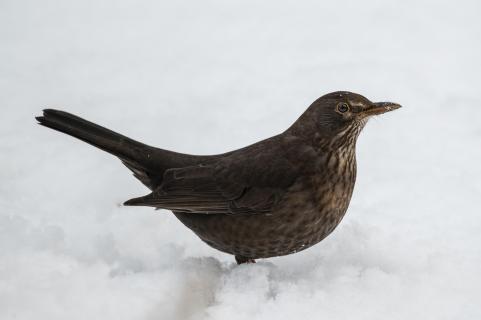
(229, 187)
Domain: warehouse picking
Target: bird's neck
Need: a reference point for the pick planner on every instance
(325, 140)
(341, 142)
(339, 152)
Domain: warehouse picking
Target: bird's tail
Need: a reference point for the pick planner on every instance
(147, 163)
(100, 137)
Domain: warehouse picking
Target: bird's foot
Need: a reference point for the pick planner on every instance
(242, 259)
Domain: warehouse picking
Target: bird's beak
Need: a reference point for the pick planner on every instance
(380, 108)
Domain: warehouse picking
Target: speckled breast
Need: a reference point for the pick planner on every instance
(308, 212)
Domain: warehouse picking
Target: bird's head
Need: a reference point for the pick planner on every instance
(339, 114)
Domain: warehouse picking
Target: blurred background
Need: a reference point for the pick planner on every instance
(209, 76)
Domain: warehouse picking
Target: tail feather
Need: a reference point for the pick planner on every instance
(93, 134)
(137, 156)
(147, 163)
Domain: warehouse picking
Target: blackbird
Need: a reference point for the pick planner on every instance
(275, 197)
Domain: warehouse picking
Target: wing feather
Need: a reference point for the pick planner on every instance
(230, 186)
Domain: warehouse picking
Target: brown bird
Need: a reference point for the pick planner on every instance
(275, 197)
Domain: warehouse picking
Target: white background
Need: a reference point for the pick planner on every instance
(210, 76)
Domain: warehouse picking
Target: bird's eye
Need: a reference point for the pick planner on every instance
(342, 107)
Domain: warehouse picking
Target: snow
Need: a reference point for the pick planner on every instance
(210, 76)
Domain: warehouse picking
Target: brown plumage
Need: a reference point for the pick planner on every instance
(275, 197)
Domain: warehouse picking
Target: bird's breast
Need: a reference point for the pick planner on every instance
(334, 184)
(308, 212)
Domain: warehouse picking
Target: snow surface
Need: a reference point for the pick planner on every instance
(210, 76)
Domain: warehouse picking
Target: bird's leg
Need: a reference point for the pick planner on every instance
(242, 259)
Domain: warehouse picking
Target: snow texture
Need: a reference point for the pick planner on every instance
(210, 76)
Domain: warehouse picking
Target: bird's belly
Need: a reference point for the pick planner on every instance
(297, 223)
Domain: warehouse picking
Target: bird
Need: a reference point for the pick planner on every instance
(275, 197)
